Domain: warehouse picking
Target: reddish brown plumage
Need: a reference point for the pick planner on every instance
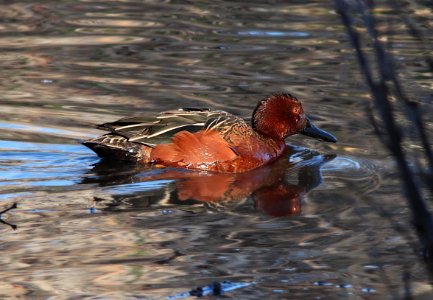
(225, 143)
(279, 116)
(208, 150)
(193, 150)
(274, 119)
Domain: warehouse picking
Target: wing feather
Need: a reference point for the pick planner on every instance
(161, 128)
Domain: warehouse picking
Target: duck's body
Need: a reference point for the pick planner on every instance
(205, 139)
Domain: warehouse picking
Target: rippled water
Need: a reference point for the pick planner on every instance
(325, 221)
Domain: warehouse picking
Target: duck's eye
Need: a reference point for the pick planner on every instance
(295, 110)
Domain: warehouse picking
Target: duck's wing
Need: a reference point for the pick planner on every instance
(161, 128)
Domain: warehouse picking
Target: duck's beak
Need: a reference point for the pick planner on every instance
(319, 134)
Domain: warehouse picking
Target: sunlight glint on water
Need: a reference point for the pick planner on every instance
(88, 228)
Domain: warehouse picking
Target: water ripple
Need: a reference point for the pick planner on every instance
(101, 230)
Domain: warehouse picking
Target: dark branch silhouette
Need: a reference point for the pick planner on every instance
(384, 84)
(13, 226)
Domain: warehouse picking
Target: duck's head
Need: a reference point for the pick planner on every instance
(281, 115)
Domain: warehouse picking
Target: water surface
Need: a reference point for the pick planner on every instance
(325, 221)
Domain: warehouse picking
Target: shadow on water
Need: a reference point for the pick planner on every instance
(276, 189)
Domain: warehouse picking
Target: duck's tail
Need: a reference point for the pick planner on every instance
(116, 147)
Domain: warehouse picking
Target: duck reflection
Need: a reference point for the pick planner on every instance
(276, 189)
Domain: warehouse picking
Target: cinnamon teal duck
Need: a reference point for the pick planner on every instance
(204, 139)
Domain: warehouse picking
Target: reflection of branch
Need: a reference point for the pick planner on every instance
(413, 30)
(412, 109)
(13, 206)
(8, 209)
(13, 226)
(381, 90)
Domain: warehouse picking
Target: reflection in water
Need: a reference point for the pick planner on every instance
(215, 289)
(271, 188)
(13, 206)
(67, 65)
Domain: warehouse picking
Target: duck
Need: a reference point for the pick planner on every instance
(208, 140)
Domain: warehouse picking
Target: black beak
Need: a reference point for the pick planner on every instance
(319, 134)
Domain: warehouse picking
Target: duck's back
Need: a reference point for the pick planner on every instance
(185, 136)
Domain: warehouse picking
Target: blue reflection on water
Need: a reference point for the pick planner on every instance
(139, 187)
(214, 289)
(343, 163)
(262, 33)
(28, 146)
(37, 164)
(26, 164)
(13, 195)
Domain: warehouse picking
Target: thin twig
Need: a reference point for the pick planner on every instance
(380, 91)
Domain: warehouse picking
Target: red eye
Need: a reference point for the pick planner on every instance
(295, 110)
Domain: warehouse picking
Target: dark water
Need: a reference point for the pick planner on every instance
(327, 221)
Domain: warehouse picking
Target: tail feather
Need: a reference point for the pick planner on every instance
(116, 147)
